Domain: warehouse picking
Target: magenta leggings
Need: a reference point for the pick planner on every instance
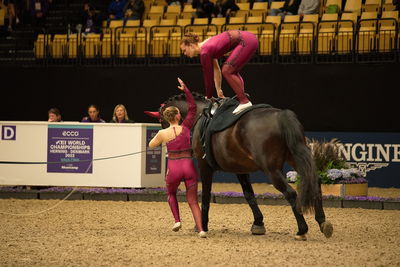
(240, 55)
(178, 170)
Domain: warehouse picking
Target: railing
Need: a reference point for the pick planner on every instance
(294, 42)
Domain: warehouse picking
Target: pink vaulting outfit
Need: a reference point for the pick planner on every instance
(181, 167)
(242, 45)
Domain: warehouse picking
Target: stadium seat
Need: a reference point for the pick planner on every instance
(188, 12)
(367, 32)
(131, 26)
(41, 45)
(91, 45)
(307, 33)
(387, 29)
(183, 22)
(268, 35)
(218, 22)
(156, 12)
(353, 6)
(346, 31)
(288, 34)
(172, 12)
(371, 6)
(327, 33)
(277, 4)
(244, 9)
(253, 25)
(73, 43)
(259, 9)
(59, 45)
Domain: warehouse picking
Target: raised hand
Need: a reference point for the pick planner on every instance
(182, 84)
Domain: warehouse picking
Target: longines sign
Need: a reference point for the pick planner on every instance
(377, 155)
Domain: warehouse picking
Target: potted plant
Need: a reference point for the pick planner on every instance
(336, 175)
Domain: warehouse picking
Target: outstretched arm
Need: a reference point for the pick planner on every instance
(156, 141)
(191, 113)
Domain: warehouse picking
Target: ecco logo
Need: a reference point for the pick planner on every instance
(8, 132)
(70, 133)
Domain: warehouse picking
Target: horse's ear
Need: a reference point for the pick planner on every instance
(153, 114)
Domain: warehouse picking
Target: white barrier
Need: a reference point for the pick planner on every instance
(80, 154)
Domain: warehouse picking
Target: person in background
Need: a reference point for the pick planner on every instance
(91, 19)
(225, 8)
(204, 8)
(38, 11)
(116, 9)
(94, 114)
(308, 7)
(180, 163)
(290, 7)
(54, 115)
(134, 9)
(120, 115)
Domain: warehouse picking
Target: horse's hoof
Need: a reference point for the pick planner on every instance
(258, 229)
(327, 229)
(300, 237)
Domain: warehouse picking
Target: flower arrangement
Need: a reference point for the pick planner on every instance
(331, 167)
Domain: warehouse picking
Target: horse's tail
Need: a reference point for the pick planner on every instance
(292, 132)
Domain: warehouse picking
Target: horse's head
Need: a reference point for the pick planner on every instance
(178, 101)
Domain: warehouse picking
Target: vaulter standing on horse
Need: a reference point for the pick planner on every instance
(180, 164)
(242, 46)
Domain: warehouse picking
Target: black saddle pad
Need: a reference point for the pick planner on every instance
(223, 118)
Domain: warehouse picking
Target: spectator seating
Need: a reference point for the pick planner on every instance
(346, 33)
(259, 9)
(288, 34)
(387, 30)
(269, 34)
(353, 6)
(307, 33)
(327, 33)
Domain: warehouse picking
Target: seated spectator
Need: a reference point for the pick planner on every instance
(54, 115)
(308, 7)
(91, 20)
(116, 9)
(120, 115)
(225, 8)
(94, 115)
(204, 8)
(14, 8)
(174, 2)
(38, 11)
(134, 9)
(289, 8)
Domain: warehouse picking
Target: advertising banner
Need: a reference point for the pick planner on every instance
(70, 148)
(153, 156)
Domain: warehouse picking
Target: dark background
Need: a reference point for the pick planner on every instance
(331, 97)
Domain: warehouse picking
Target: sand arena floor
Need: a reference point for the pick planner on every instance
(109, 233)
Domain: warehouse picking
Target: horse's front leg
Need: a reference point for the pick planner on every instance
(258, 226)
(206, 174)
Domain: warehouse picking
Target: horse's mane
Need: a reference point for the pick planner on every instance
(182, 97)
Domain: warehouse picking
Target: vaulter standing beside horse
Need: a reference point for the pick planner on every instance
(180, 164)
(242, 46)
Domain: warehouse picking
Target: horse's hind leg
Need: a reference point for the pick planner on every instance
(258, 226)
(280, 183)
(325, 226)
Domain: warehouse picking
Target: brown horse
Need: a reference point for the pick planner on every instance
(262, 139)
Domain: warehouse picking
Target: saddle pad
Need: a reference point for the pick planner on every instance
(223, 118)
